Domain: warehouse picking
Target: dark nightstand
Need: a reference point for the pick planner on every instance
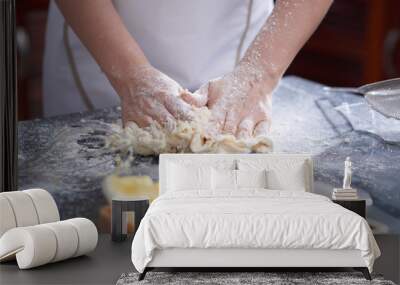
(119, 208)
(357, 206)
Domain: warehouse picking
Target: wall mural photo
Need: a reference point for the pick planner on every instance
(71, 153)
(99, 101)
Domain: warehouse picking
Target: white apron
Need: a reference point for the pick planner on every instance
(190, 41)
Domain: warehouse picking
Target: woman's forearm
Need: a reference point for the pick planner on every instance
(289, 26)
(101, 30)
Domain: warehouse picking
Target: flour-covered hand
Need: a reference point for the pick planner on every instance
(240, 102)
(148, 94)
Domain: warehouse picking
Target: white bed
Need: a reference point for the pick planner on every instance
(280, 225)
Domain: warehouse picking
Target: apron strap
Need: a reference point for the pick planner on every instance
(74, 70)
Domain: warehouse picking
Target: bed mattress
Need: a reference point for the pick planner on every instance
(250, 219)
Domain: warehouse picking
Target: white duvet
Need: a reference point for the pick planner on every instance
(252, 218)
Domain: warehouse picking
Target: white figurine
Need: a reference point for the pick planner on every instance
(347, 174)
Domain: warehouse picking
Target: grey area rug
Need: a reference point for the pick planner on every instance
(269, 278)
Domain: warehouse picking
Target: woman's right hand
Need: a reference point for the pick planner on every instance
(147, 94)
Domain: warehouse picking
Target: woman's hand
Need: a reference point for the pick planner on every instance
(148, 94)
(240, 102)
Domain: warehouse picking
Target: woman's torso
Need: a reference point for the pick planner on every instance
(191, 41)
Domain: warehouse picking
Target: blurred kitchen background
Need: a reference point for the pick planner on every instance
(357, 43)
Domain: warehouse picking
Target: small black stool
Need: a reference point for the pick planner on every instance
(119, 227)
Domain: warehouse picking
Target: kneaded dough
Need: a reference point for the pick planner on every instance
(187, 136)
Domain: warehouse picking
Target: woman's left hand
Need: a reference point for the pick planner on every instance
(240, 102)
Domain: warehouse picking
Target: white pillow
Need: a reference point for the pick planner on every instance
(283, 173)
(292, 181)
(182, 177)
(224, 179)
(251, 179)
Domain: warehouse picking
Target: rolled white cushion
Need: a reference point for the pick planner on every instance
(33, 246)
(45, 205)
(23, 208)
(7, 218)
(87, 233)
(41, 244)
(26, 208)
(67, 240)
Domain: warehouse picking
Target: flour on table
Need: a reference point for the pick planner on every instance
(187, 136)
